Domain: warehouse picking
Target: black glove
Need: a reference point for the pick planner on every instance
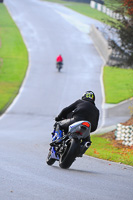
(57, 119)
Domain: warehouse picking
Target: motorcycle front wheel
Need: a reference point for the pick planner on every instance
(69, 155)
(50, 161)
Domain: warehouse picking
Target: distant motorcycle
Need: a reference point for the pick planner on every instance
(59, 66)
(68, 147)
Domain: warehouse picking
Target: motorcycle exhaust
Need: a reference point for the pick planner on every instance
(87, 144)
(84, 148)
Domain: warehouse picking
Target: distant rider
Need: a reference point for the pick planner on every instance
(59, 60)
(82, 109)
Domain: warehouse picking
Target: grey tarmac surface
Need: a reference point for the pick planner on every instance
(49, 29)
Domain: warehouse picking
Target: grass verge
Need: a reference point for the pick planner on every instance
(105, 149)
(118, 84)
(112, 4)
(13, 59)
(85, 9)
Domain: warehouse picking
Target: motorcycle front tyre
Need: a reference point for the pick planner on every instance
(50, 161)
(70, 154)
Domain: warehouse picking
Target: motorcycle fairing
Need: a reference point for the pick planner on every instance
(79, 130)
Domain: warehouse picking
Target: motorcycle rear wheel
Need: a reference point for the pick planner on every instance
(59, 68)
(70, 154)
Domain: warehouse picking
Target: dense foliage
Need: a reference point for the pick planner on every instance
(124, 30)
(129, 6)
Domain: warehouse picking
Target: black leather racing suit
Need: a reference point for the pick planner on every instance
(79, 110)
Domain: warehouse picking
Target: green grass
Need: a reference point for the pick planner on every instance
(118, 84)
(85, 9)
(13, 59)
(112, 4)
(104, 149)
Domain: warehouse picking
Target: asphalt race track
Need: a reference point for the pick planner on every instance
(48, 30)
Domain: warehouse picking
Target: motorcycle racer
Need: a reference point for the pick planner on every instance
(82, 109)
(59, 62)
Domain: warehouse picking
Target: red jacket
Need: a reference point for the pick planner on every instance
(59, 59)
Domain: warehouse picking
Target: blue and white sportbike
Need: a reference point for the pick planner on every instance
(66, 147)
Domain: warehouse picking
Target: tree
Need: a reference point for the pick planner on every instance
(129, 6)
(124, 30)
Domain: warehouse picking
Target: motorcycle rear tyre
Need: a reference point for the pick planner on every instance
(70, 154)
(59, 68)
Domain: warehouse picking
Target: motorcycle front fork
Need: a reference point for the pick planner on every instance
(57, 135)
(54, 154)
